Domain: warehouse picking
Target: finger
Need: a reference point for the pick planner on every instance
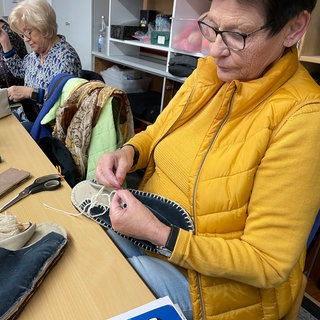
(109, 176)
(125, 195)
(108, 164)
(106, 177)
(121, 170)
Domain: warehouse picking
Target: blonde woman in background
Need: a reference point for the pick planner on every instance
(35, 22)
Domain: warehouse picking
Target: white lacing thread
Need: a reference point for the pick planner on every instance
(93, 203)
(62, 211)
(9, 226)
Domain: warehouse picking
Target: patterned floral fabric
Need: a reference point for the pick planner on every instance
(61, 58)
(79, 114)
(6, 77)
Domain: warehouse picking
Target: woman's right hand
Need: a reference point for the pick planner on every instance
(112, 167)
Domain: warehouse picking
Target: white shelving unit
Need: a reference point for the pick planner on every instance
(154, 59)
(149, 58)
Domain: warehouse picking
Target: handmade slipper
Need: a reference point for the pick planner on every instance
(93, 200)
(23, 270)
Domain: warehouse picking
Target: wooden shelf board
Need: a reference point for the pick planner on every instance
(142, 120)
(313, 59)
(313, 290)
(312, 299)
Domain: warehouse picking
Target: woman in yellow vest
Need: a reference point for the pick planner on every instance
(238, 148)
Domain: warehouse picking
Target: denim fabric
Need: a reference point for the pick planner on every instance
(21, 271)
(27, 125)
(18, 113)
(160, 276)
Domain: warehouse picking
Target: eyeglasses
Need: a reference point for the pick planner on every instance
(26, 34)
(235, 41)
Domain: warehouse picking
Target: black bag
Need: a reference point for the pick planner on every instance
(60, 156)
(145, 105)
(182, 65)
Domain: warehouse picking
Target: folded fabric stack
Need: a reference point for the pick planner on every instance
(27, 253)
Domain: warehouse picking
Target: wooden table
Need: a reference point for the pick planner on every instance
(92, 280)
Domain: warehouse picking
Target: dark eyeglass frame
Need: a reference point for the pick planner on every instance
(222, 32)
(26, 34)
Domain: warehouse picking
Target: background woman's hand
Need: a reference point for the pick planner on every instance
(5, 41)
(18, 93)
(131, 218)
(112, 167)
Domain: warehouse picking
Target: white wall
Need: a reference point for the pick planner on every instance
(74, 22)
(1, 8)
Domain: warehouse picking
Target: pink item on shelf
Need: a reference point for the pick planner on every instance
(187, 35)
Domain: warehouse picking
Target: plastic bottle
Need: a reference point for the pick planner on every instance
(102, 36)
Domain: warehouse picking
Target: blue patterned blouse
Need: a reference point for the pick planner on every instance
(62, 57)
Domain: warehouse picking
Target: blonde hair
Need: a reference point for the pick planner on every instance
(37, 14)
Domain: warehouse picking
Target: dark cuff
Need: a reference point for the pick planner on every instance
(172, 239)
(40, 96)
(9, 54)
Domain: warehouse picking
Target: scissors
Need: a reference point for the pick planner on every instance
(45, 183)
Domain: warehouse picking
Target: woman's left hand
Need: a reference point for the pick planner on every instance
(131, 218)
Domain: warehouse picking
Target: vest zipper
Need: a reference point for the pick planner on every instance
(223, 121)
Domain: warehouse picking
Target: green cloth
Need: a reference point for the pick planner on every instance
(106, 136)
(67, 89)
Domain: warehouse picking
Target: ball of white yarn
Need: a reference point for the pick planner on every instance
(9, 225)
